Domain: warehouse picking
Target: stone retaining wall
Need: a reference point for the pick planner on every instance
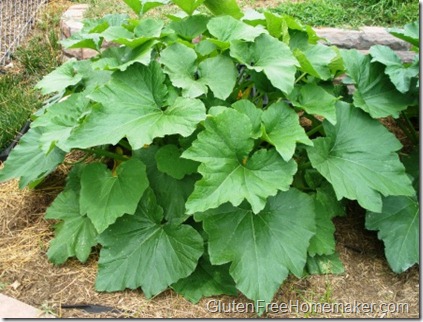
(361, 39)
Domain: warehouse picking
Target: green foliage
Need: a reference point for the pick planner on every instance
(398, 226)
(347, 13)
(219, 152)
(75, 234)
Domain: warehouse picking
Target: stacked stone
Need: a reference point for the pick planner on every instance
(71, 23)
(364, 38)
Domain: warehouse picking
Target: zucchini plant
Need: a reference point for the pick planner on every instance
(216, 149)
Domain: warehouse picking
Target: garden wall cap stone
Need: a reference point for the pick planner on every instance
(79, 53)
(12, 308)
(363, 38)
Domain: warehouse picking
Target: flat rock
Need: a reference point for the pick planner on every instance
(12, 308)
(361, 39)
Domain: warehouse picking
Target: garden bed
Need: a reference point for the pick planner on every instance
(27, 275)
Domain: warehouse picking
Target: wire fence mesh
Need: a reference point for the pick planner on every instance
(16, 19)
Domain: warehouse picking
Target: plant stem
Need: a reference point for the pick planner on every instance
(412, 134)
(314, 130)
(305, 165)
(300, 77)
(241, 75)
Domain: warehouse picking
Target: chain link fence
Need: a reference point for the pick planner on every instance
(16, 19)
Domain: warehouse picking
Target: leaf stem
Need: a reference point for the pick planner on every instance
(241, 74)
(305, 165)
(412, 134)
(315, 130)
(300, 77)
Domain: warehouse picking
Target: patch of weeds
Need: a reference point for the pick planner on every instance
(47, 309)
(327, 294)
(351, 14)
(2, 286)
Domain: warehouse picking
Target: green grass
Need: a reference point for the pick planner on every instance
(34, 59)
(329, 13)
(16, 104)
(352, 14)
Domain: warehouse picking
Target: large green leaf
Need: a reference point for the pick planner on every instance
(191, 26)
(224, 7)
(399, 74)
(80, 40)
(254, 114)
(140, 251)
(358, 158)
(229, 172)
(180, 64)
(275, 24)
(218, 73)
(142, 6)
(107, 195)
(264, 247)
(90, 35)
(315, 100)
(206, 280)
(59, 120)
(398, 227)
(188, 5)
(226, 28)
(76, 235)
(120, 58)
(315, 60)
(91, 78)
(59, 79)
(326, 207)
(325, 264)
(28, 162)
(374, 94)
(410, 33)
(412, 166)
(282, 129)
(269, 55)
(171, 193)
(169, 161)
(145, 30)
(133, 107)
